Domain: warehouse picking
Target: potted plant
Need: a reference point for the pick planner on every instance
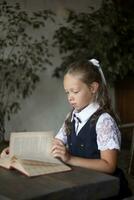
(23, 55)
(105, 34)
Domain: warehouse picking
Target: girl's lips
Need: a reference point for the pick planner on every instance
(73, 104)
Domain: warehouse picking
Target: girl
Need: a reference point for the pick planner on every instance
(89, 136)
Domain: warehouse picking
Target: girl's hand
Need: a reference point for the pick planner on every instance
(59, 150)
(5, 153)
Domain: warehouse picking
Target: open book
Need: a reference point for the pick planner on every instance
(30, 153)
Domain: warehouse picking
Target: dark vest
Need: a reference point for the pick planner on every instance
(85, 143)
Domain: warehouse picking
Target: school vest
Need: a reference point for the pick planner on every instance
(85, 143)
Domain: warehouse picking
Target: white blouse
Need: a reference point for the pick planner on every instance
(108, 134)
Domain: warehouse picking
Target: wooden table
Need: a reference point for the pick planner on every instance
(77, 184)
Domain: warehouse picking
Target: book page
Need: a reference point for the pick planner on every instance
(34, 168)
(32, 146)
(5, 162)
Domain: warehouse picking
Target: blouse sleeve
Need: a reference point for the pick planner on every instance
(61, 135)
(108, 134)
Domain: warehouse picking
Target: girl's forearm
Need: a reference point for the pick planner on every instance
(95, 164)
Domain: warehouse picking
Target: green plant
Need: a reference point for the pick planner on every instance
(105, 34)
(23, 55)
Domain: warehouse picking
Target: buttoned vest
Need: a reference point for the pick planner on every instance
(85, 143)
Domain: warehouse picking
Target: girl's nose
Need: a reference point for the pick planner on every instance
(70, 97)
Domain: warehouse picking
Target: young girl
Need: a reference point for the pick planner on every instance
(89, 136)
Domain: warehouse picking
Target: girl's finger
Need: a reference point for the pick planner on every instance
(58, 148)
(57, 141)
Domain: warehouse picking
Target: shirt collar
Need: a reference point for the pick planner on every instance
(86, 113)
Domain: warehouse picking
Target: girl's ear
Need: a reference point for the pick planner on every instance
(94, 87)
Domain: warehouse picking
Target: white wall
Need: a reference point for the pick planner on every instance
(47, 107)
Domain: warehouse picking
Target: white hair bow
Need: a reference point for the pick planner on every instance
(97, 64)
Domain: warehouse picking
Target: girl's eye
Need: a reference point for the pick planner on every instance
(75, 92)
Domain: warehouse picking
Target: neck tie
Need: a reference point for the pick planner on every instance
(77, 122)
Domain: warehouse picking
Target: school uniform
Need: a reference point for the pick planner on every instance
(107, 133)
(88, 137)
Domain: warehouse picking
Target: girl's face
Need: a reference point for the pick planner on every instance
(78, 93)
